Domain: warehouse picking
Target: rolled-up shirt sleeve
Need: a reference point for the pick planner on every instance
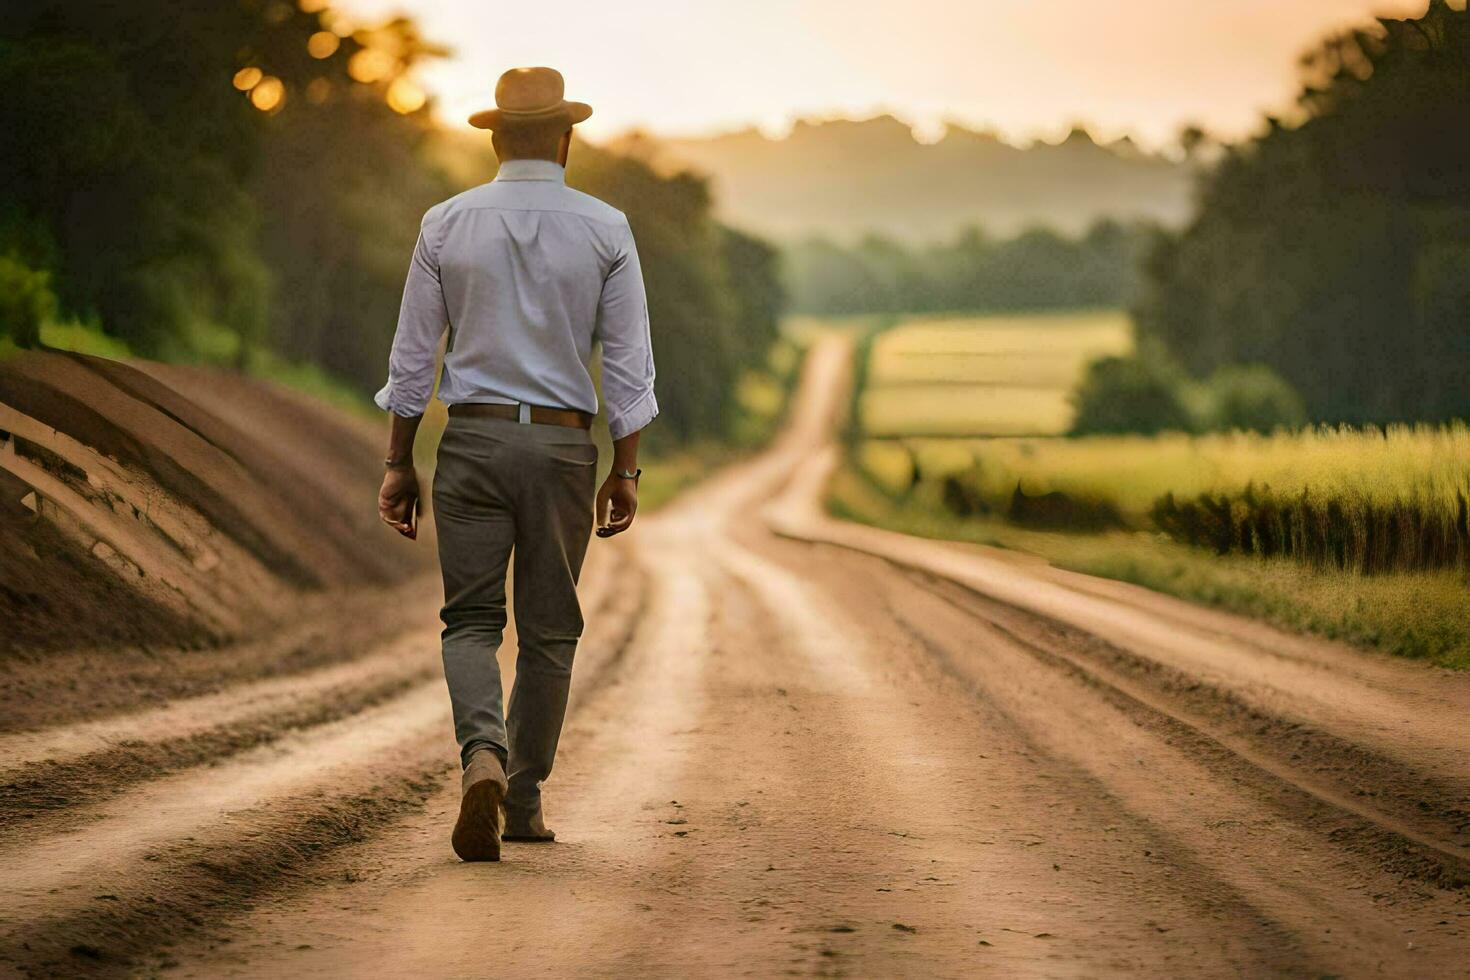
(422, 320)
(627, 348)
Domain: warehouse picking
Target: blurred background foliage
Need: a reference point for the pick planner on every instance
(1335, 249)
(1038, 269)
(1324, 275)
(241, 182)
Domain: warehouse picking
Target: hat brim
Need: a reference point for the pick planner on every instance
(571, 112)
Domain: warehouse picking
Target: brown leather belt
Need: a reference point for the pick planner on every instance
(540, 414)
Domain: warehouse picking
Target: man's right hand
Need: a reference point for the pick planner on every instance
(398, 501)
(617, 502)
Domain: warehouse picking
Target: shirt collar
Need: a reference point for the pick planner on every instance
(531, 170)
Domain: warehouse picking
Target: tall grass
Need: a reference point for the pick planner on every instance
(1367, 500)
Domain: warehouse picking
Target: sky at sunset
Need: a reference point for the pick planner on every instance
(1027, 68)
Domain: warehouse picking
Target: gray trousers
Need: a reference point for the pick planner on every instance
(504, 489)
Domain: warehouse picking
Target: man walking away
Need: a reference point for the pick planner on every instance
(524, 275)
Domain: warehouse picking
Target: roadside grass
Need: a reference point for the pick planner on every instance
(1418, 615)
(83, 338)
(1359, 535)
(312, 381)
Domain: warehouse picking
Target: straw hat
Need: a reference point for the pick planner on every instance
(530, 95)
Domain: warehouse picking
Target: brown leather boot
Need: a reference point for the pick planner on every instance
(526, 827)
(477, 832)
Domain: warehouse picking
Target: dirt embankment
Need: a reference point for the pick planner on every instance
(154, 507)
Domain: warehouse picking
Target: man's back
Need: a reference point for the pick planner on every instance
(525, 273)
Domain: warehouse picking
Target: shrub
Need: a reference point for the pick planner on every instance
(1251, 398)
(1062, 512)
(26, 301)
(1134, 394)
(889, 465)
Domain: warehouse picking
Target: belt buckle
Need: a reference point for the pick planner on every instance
(523, 413)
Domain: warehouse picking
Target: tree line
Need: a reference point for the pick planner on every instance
(211, 182)
(1335, 249)
(1037, 269)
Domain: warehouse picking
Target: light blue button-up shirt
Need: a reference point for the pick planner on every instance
(526, 275)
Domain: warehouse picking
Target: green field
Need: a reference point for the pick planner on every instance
(1357, 534)
(987, 376)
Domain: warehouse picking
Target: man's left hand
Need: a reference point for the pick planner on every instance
(398, 501)
(617, 502)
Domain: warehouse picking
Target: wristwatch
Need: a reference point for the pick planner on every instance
(627, 475)
(406, 463)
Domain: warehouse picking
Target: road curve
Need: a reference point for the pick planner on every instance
(796, 746)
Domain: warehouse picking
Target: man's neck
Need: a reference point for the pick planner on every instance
(530, 168)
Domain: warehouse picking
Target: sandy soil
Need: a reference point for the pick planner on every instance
(796, 747)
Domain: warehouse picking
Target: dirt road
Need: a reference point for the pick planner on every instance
(796, 747)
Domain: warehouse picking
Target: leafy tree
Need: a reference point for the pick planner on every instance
(126, 162)
(713, 293)
(1138, 393)
(209, 180)
(1038, 269)
(753, 279)
(1335, 249)
(1251, 398)
(824, 277)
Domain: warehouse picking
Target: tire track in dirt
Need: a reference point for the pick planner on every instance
(399, 657)
(1411, 823)
(1412, 810)
(1046, 890)
(1350, 914)
(157, 858)
(622, 747)
(1417, 780)
(57, 700)
(254, 815)
(54, 789)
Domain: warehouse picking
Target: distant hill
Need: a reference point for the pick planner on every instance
(844, 179)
